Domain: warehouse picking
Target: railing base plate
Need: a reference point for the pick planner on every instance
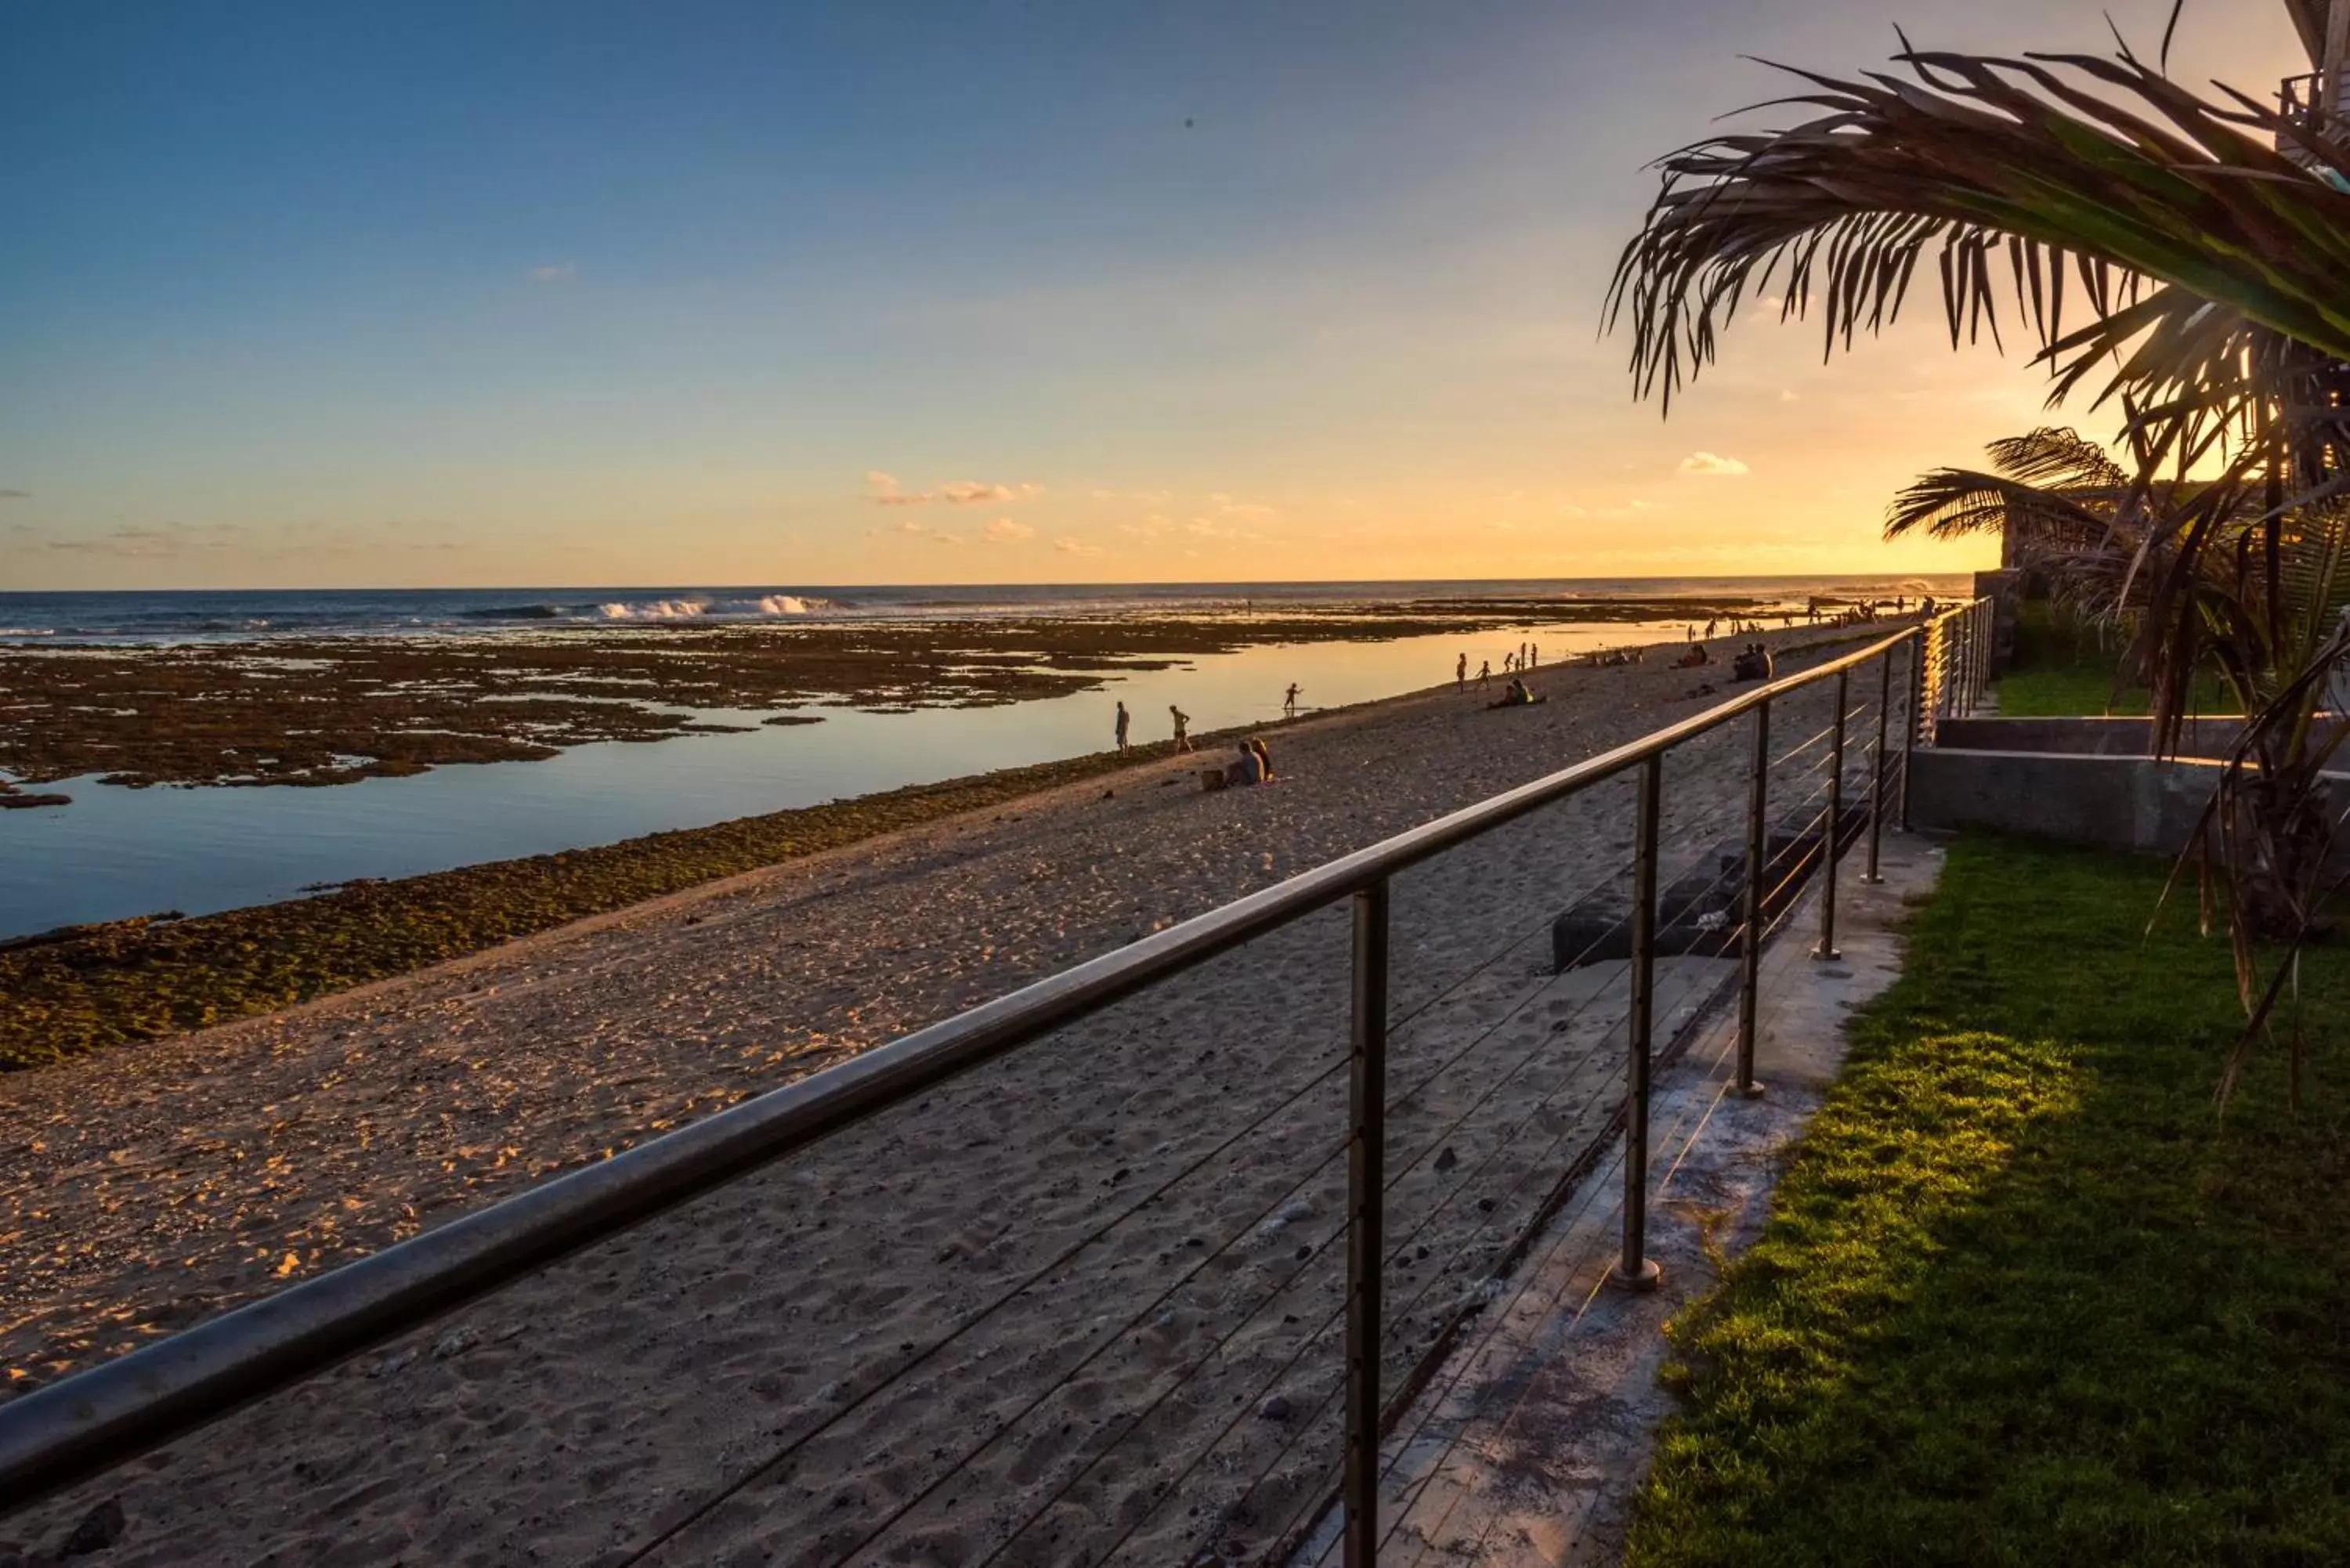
(1646, 1278)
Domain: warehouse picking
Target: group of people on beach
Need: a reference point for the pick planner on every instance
(1122, 726)
(1528, 655)
(1814, 611)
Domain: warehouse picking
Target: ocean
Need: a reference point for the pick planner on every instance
(118, 852)
(210, 613)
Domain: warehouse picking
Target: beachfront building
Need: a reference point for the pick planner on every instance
(2321, 91)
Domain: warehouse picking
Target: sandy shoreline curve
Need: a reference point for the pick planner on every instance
(575, 1417)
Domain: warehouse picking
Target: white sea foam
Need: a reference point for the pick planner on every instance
(658, 610)
(712, 610)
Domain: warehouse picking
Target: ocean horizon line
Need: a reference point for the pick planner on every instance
(771, 584)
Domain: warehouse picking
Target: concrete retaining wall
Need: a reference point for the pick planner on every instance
(2131, 803)
(2123, 802)
(2209, 737)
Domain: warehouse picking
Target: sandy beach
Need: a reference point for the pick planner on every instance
(844, 1356)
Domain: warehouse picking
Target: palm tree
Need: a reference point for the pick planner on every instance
(2206, 244)
(2185, 258)
(2070, 518)
(2050, 485)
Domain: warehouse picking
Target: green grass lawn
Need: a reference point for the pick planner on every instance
(2025, 1297)
(2061, 670)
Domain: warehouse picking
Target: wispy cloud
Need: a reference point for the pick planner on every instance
(1005, 531)
(1713, 465)
(956, 493)
(1633, 508)
(1242, 511)
(1104, 495)
(15, 495)
(970, 492)
(141, 542)
(554, 272)
(1069, 545)
(1789, 395)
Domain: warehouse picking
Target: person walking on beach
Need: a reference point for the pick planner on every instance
(1534, 655)
(1182, 727)
(1461, 674)
(1289, 701)
(1485, 673)
(1124, 718)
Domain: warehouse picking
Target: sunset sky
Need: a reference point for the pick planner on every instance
(781, 294)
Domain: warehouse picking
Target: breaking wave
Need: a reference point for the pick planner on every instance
(766, 606)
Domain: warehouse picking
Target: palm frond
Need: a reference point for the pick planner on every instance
(2176, 220)
(1950, 503)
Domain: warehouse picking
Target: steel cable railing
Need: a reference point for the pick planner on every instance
(1679, 1138)
(99, 1417)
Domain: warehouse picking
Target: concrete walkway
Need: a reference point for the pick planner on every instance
(1531, 1441)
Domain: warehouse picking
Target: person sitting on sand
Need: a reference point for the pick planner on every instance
(1264, 760)
(1183, 729)
(1517, 695)
(1246, 769)
(1695, 657)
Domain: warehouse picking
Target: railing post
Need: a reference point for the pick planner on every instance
(1955, 679)
(1987, 641)
(1366, 1100)
(1877, 765)
(1912, 720)
(1828, 948)
(1636, 1270)
(1750, 946)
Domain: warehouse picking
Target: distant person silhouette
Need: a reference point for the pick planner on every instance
(1485, 673)
(1182, 727)
(1461, 674)
(1124, 719)
(1289, 702)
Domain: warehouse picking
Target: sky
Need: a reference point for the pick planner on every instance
(788, 294)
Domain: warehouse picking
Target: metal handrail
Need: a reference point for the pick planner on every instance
(102, 1416)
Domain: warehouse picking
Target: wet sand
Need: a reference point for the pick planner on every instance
(850, 1343)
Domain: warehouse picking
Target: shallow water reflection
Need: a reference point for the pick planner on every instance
(117, 852)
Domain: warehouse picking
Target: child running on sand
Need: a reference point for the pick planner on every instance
(1182, 727)
(1289, 702)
